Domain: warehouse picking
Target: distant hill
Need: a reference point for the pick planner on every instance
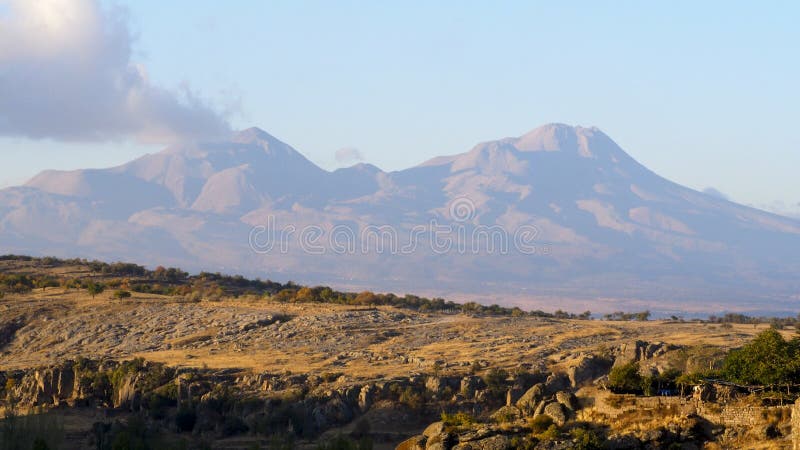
(560, 215)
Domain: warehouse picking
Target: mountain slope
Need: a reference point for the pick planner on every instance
(559, 213)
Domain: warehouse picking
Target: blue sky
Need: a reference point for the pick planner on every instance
(703, 93)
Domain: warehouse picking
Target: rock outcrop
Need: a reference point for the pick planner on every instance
(636, 351)
(587, 368)
(527, 403)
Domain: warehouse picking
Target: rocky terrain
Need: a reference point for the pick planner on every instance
(344, 364)
(250, 371)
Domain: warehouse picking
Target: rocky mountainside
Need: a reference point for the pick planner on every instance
(560, 214)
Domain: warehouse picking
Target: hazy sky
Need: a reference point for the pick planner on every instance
(703, 93)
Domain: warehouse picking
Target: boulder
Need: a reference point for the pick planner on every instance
(439, 442)
(622, 442)
(506, 414)
(476, 434)
(539, 408)
(528, 401)
(556, 412)
(414, 443)
(568, 400)
(498, 442)
(434, 429)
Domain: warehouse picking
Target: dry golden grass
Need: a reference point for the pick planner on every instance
(457, 340)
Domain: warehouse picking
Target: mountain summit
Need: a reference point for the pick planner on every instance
(597, 224)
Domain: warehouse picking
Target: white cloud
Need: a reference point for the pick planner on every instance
(66, 73)
(348, 155)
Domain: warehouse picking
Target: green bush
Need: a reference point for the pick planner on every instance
(550, 434)
(625, 378)
(458, 419)
(540, 423)
(411, 398)
(94, 289)
(120, 294)
(496, 381)
(585, 439)
(768, 360)
(18, 284)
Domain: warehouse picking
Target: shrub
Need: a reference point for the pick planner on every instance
(101, 387)
(584, 439)
(330, 377)
(495, 381)
(411, 398)
(11, 383)
(120, 294)
(540, 423)
(18, 284)
(93, 288)
(625, 378)
(648, 385)
(550, 434)
(458, 419)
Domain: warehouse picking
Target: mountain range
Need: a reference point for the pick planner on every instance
(558, 217)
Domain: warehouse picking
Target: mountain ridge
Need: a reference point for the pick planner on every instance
(612, 227)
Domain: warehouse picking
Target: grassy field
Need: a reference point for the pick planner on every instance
(63, 324)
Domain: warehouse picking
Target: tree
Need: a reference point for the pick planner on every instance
(94, 288)
(305, 294)
(366, 298)
(768, 360)
(625, 378)
(495, 381)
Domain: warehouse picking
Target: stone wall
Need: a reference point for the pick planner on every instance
(736, 416)
(605, 401)
(729, 415)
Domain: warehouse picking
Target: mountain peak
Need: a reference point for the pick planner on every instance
(554, 137)
(617, 230)
(252, 134)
